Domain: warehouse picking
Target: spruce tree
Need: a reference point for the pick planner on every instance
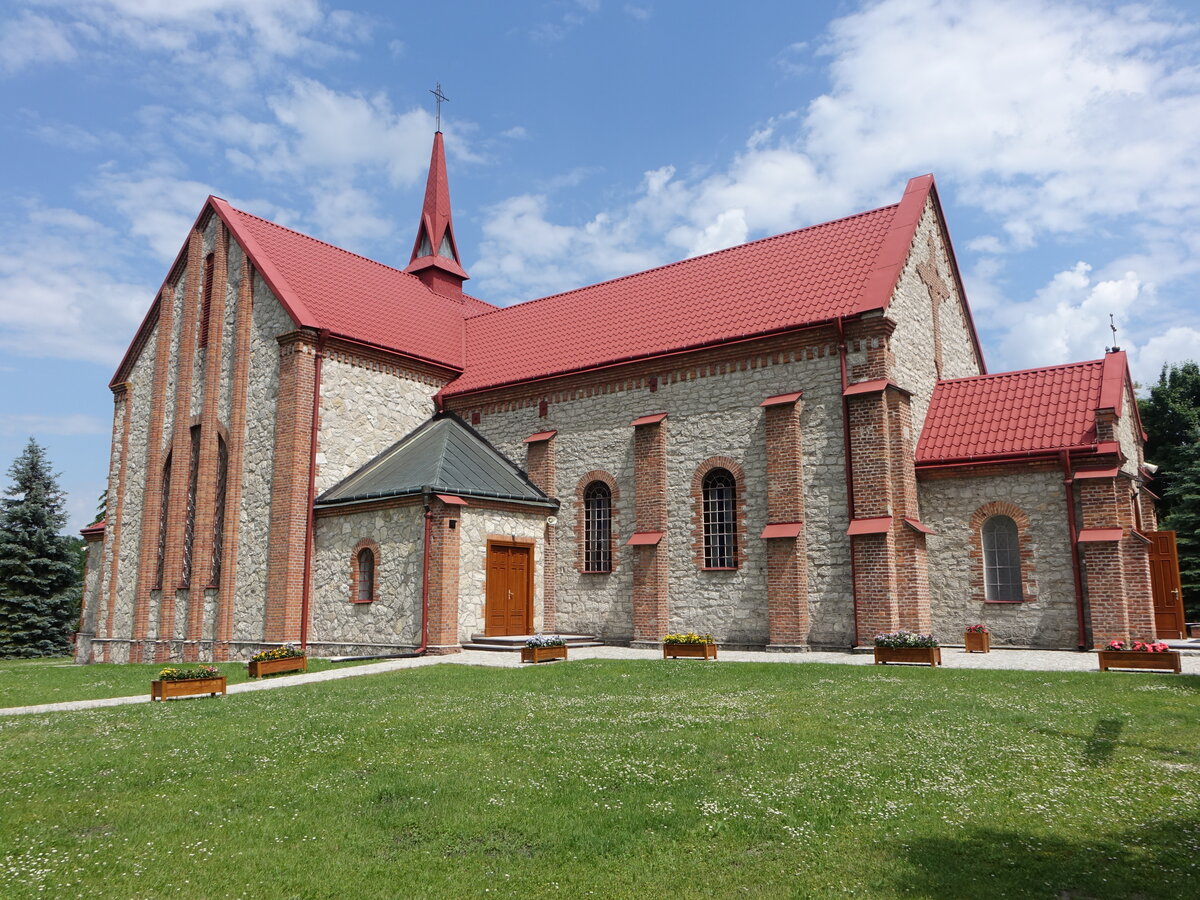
(1184, 520)
(38, 579)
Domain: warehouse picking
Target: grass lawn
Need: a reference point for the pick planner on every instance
(29, 682)
(618, 779)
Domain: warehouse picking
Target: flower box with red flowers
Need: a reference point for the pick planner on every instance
(976, 639)
(1139, 655)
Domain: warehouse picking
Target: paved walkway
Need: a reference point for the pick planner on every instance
(1027, 660)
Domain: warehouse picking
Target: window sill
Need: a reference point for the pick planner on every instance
(719, 568)
(1010, 602)
(363, 602)
(594, 572)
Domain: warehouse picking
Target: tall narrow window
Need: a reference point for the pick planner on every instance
(189, 527)
(206, 302)
(218, 542)
(1001, 560)
(366, 576)
(597, 527)
(720, 520)
(162, 524)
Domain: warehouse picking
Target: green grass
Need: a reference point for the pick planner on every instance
(618, 779)
(30, 682)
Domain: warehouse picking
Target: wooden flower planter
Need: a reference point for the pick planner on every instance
(165, 690)
(689, 651)
(1138, 659)
(925, 656)
(977, 642)
(275, 666)
(542, 654)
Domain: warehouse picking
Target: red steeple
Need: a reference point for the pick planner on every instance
(435, 251)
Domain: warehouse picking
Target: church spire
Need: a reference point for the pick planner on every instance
(435, 252)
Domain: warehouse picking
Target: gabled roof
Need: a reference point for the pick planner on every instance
(442, 456)
(325, 287)
(806, 276)
(1031, 412)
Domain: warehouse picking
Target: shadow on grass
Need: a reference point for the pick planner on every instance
(1100, 746)
(1136, 864)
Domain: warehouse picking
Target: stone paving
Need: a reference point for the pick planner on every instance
(952, 657)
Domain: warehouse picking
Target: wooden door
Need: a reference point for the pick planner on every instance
(508, 609)
(1164, 582)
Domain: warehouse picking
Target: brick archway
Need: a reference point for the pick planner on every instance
(739, 506)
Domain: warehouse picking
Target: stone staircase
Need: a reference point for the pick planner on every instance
(513, 643)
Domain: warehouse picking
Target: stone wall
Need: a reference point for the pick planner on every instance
(393, 620)
(948, 503)
(712, 401)
(1128, 436)
(913, 342)
(270, 320)
(366, 406)
(478, 523)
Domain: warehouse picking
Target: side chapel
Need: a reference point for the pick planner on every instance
(792, 444)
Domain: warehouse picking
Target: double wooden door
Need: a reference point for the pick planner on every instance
(509, 604)
(1164, 583)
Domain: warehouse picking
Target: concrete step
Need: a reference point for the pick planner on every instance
(514, 643)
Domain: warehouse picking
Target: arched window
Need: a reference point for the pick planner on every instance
(1001, 560)
(162, 524)
(597, 527)
(189, 525)
(218, 542)
(720, 519)
(365, 582)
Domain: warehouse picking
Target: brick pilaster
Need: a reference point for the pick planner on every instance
(650, 562)
(875, 577)
(787, 559)
(542, 469)
(181, 446)
(912, 559)
(206, 482)
(444, 562)
(289, 487)
(226, 594)
(1116, 573)
(115, 506)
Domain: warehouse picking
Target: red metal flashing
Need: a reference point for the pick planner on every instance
(436, 226)
(1110, 447)
(540, 436)
(97, 528)
(1150, 493)
(653, 419)
(1097, 473)
(451, 500)
(1099, 535)
(873, 386)
(644, 538)
(1113, 381)
(1133, 532)
(876, 525)
(783, 530)
(782, 399)
(917, 525)
(889, 261)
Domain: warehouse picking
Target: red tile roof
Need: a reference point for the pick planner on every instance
(1036, 410)
(788, 281)
(326, 287)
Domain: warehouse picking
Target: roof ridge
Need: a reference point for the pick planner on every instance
(309, 237)
(986, 375)
(690, 259)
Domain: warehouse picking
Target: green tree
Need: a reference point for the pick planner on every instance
(39, 581)
(1171, 417)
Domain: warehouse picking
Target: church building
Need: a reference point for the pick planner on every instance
(791, 444)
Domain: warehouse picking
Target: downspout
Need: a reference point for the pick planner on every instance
(1076, 569)
(849, 466)
(425, 578)
(306, 594)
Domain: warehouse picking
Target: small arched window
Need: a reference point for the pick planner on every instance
(597, 527)
(365, 583)
(720, 519)
(1001, 560)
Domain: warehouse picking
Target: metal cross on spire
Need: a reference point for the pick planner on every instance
(441, 98)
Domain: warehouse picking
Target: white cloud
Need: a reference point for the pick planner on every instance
(30, 39)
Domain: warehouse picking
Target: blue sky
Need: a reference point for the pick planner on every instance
(586, 139)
